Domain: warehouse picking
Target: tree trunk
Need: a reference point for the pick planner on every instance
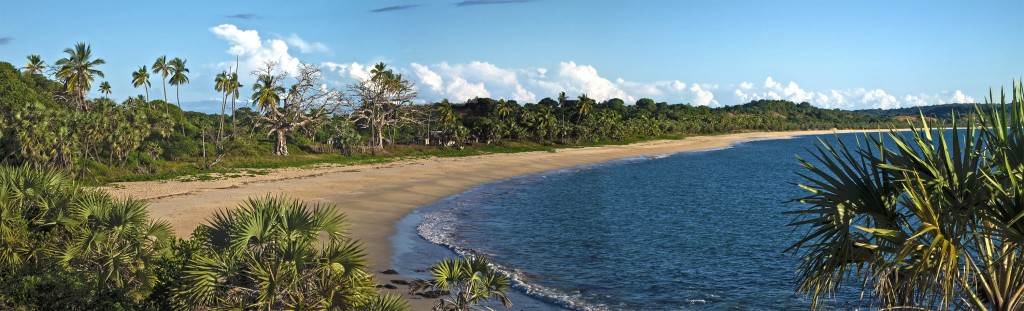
(223, 106)
(280, 145)
(181, 117)
(165, 95)
(232, 116)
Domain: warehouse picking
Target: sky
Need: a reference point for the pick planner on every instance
(832, 54)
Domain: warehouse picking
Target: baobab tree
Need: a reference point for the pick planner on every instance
(382, 100)
(305, 102)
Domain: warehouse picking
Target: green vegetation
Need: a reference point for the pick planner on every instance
(69, 248)
(928, 223)
(293, 121)
(470, 282)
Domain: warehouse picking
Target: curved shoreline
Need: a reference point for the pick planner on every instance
(376, 196)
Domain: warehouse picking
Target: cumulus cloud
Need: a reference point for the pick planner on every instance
(253, 51)
(461, 82)
(857, 98)
(354, 70)
(462, 90)
(574, 78)
(702, 97)
(959, 97)
(428, 77)
(306, 47)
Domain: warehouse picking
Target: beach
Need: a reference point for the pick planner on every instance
(375, 196)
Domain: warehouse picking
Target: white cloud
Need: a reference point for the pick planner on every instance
(354, 70)
(460, 82)
(858, 98)
(428, 77)
(584, 79)
(959, 98)
(306, 47)
(702, 97)
(878, 98)
(461, 90)
(253, 51)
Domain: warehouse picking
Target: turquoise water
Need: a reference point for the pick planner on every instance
(689, 231)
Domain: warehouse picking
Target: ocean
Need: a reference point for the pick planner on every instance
(688, 231)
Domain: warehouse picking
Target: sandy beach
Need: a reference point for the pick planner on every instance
(376, 196)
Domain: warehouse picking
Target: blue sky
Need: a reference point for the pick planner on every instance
(845, 54)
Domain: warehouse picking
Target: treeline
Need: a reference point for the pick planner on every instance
(939, 112)
(52, 123)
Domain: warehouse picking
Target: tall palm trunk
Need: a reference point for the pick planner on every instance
(181, 117)
(232, 115)
(223, 106)
(165, 95)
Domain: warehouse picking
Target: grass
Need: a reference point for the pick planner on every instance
(98, 174)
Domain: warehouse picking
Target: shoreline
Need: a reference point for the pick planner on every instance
(376, 196)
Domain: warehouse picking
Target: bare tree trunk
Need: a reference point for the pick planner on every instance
(280, 145)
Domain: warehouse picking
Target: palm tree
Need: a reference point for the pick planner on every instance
(266, 93)
(35, 65)
(470, 283)
(178, 77)
(232, 89)
(141, 78)
(220, 84)
(161, 67)
(932, 222)
(105, 88)
(50, 223)
(586, 104)
(117, 239)
(279, 253)
(77, 71)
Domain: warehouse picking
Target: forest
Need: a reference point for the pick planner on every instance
(49, 121)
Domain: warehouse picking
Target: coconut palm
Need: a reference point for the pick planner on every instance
(220, 84)
(141, 78)
(105, 88)
(178, 77)
(266, 93)
(161, 67)
(932, 222)
(470, 282)
(77, 71)
(268, 254)
(232, 89)
(35, 65)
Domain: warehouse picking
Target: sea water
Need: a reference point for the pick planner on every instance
(689, 231)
